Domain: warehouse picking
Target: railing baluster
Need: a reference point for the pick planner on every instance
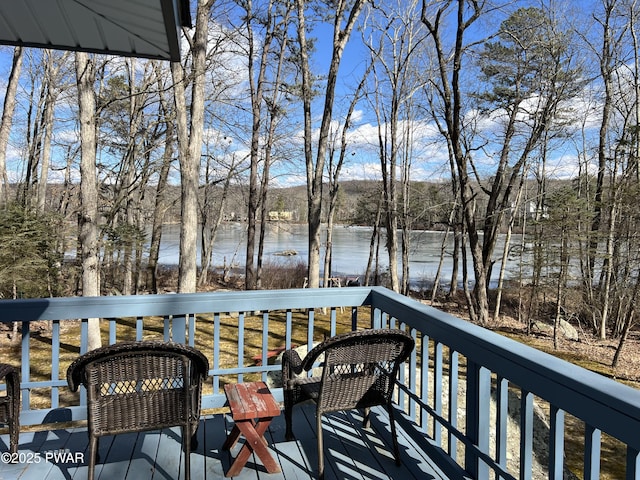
(354, 318)
(376, 318)
(216, 351)
(453, 400)
(633, 464)
(526, 435)
(591, 452)
(478, 416)
(179, 328)
(140, 328)
(191, 324)
(84, 335)
(502, 415)
(556, 444)
(310, 326)
(332, 316)
(288, 328)
(25, 368)
(55, 361)
(437, 392)
(84, 346)
(167, 328)
(240, 344)
(402, 376)
(265, 342)
(112, 331)
(424, 381)
(412, 376)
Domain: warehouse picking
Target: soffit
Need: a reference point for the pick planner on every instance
(142, 28)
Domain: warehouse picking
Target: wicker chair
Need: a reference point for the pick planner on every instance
(10, 403)
(358, 371)
(139, 386)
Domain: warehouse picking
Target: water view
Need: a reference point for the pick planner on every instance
(350, 249)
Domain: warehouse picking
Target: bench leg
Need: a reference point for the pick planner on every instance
(255, 442)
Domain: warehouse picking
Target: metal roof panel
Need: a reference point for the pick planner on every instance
(146, 28)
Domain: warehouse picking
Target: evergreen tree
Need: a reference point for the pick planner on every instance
(29, 258)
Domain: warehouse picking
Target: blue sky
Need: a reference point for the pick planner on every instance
(430, 153)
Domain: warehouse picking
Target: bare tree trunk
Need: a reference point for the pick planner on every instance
(7, 120)
(88, 238)
(161, 200)
(505, 250)
(52, 69)
(190, 146)
(273, 105)
(256, 88)
(334, 176)
(375, 240)
(607, 269)
(443, 250)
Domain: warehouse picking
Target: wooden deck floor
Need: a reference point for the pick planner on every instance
(350, 452)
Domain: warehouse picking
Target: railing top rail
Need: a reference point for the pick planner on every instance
(65, 308)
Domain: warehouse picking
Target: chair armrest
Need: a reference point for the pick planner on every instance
(9, 373)
(291, 366)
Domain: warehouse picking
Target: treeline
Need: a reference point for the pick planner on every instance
(479, 121)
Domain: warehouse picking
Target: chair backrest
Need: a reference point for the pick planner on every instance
(360, 368)
(136, 386)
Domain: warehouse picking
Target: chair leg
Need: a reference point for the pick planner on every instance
(93, 455)
(14, 432)
(288, 412)
(186, 439)
(320, 447)
(394, 436)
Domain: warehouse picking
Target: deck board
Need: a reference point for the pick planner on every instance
(350, 452)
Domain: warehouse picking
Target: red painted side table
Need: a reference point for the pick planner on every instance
(252, 408)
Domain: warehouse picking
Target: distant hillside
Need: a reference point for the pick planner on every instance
(358, 200)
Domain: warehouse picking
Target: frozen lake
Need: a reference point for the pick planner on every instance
(350, 249)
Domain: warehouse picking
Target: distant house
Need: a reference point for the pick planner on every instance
(533, 211)
(277, 216)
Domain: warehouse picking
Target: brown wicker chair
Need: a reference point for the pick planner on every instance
(358, 371)
(10, 404)
(139, 386)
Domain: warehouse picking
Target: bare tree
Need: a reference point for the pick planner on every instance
(393, 44)
(161, 204)
(344, 15)
(274, 21)
(450, 94)
(7, 119)
(190, 143)
(218, 175)
(334, 168)
(88, 217)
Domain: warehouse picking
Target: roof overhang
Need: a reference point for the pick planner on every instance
(141, 28)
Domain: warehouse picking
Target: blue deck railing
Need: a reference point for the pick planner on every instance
(462, 392)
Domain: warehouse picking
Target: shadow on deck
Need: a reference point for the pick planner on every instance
(351, 452)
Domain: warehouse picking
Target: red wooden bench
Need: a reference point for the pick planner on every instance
(257, 359)
(252, 408)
